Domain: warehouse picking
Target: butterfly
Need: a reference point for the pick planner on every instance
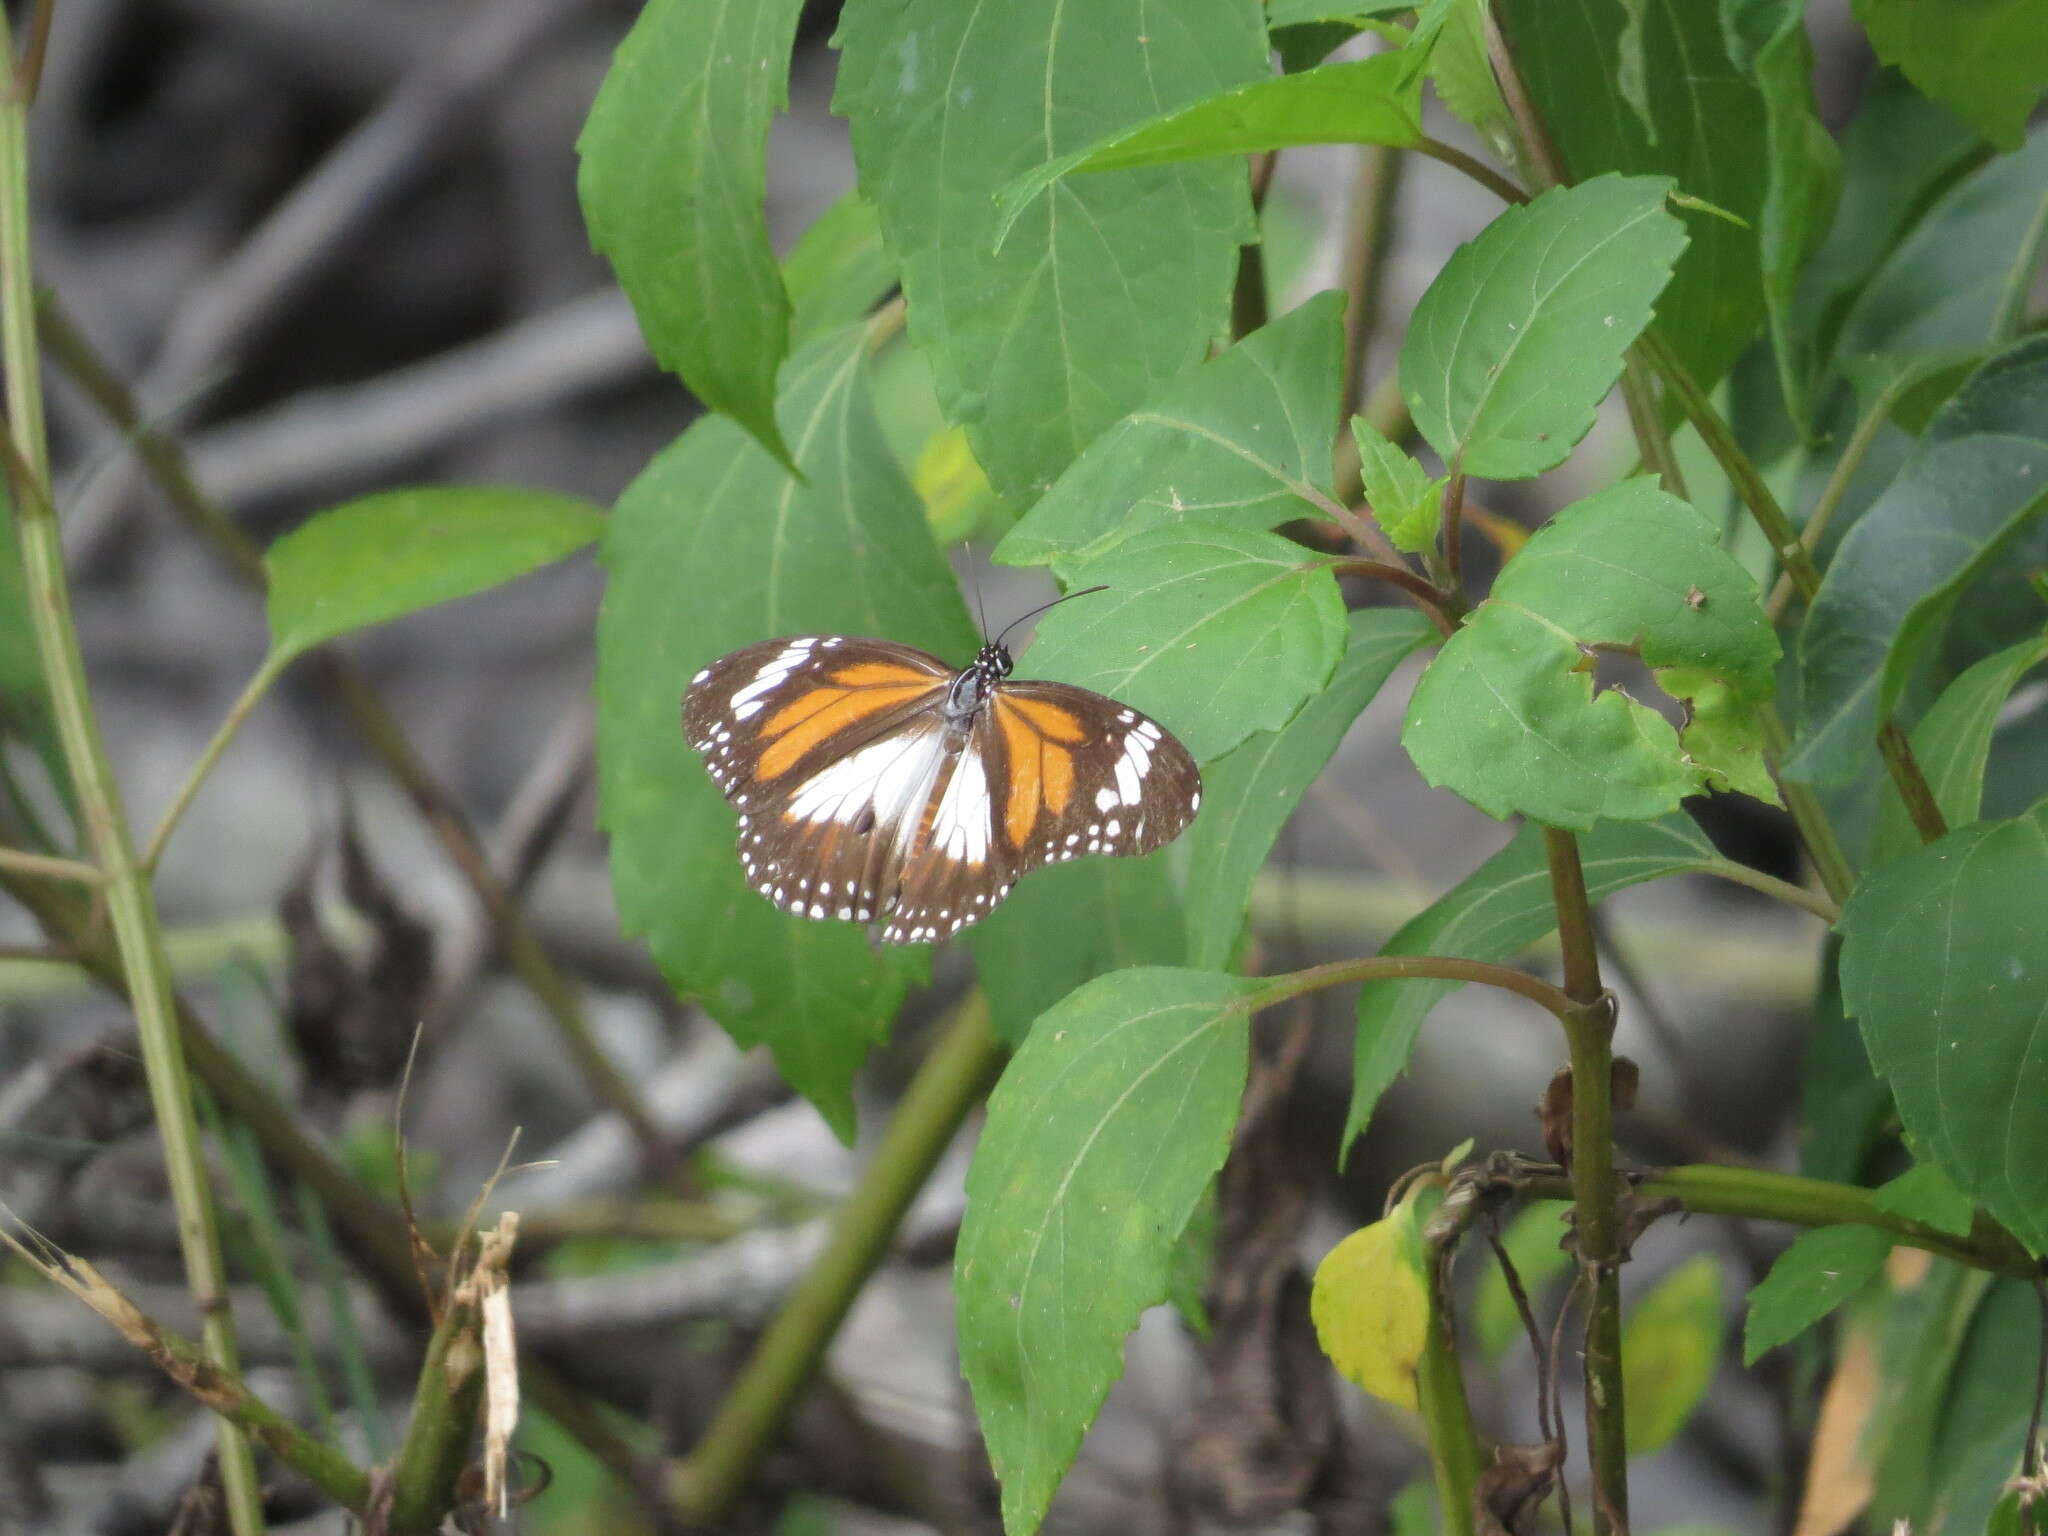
(877, 784)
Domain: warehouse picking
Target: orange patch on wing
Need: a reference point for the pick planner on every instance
(882, 674)
(1056, 767)
(805, 723)
(1047, 719)
(1022, 746)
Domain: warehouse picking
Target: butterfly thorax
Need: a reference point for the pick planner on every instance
(969, 693)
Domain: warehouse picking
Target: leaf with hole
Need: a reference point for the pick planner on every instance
(1520, 336)
(1101, 1140)
(673, 165)
(762, 554)
(1508, 717)
(385, 556)
(1243, 440)
(1215, 632)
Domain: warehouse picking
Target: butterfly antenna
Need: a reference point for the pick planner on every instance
(1034, 612)
(980, 608)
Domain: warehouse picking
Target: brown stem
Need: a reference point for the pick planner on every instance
(1910, 782)
(1478, 170)
(1454, 530)
(1426, 597)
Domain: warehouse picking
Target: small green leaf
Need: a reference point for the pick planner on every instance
(1456, 62)
(1952, 743)
(844, 550)
(673, 165)
(1507, 716)
(1925, 1194)
(1405, 501)
(1071, 923)
(1942, 967)
(1987, 59)
(1366, 101)
(838, 270)
(1370, 1303)
(1670, 1347)
(391, 554)
(1102, 1136)
(1248, 794)
(1243, 440)
(1499, 909)
(1976, 480)
(1215, 632)
(1520, 336)
(1107, 287)
(1819, 1272)
(1533, 1242)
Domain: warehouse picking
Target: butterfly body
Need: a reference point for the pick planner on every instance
(877, 784)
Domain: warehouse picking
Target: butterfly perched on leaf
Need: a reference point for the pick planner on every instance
(877, 784)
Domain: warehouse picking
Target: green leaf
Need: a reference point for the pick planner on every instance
(1819, 1272)
(1942, 967)
(1507, 716)
(1453, 32)
(673, 165)
(1493, 913)
(1520, 336)
(1244, 439)
(1405, 501)
(1107, 287)
(838, 270)
(1071, 923)
(1952, 743)
(1670, 1347)
(1925, 1194)
(1102, 1137)
(1987, 59)
(1974, 1453)
(1215, 632)
(1974, 482)
(1708, 133)
(384, 556)
(1366, 101)
(1803, 173)
(1248, 794)
(846, 549)
(1533, 1243)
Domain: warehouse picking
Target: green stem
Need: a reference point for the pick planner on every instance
(1910, 782)
(444, 1410)
(1454, 1453)
(272, 668)
(1646, 418)
(129, 903)
(1589, 1036)
(1792, 895)
(1340, 973)
(953, 1079)
(49, 866)
(1368, 237)
(1831, 495)
(1815, 830)
(1478, 170)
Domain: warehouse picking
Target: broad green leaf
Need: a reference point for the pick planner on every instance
(1108, 286)
(1370, 1303)
(1987, 59)
(673, 161)
(1243, 440)
(1942, 967)
(1215, 632)
(1520, 336)
(1071, 923)
(1507, 715)
(1977, 478)
(1248, 794)
(1709, 135)
(838, 270)
(1493, 913)
(1923, 1327)
(1925, 1194)
(1670, 1347)
(1533, 1241)
(1405, 501)
(1952, 743)
(1366, 101)
(1959, 278)
(384, 556)
(1803, 173)
(1845, 1109)
(1820, 1271)
(1101, 1138)
(762, 554)
(1975, 1450)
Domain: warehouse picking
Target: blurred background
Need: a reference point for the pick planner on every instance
(337, 248)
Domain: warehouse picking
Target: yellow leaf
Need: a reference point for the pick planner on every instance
(1370, 1303)
(950, 480)
(1670, 1348)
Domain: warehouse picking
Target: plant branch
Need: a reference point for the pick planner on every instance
(954, 1078)
(49, 866)
(1478, 170)
(1368, 237)
(129, 902)
(272, 668)
(1340, 973)
(1425, 596)
(1910, 782)
(1830, 500)
(1646, 419)
(1815, 830)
